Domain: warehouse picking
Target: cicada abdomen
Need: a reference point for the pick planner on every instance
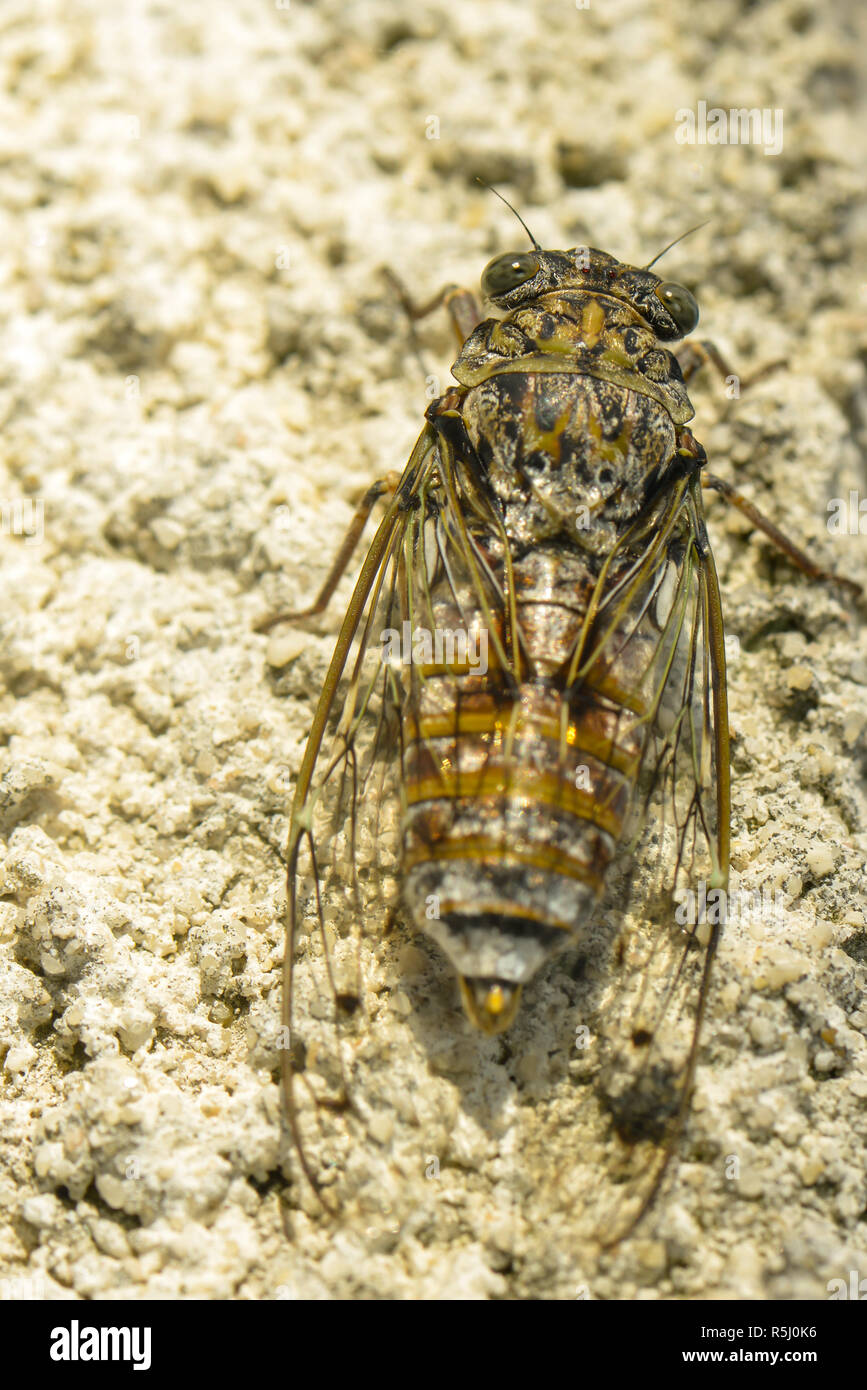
(519, 780)
(535, 647)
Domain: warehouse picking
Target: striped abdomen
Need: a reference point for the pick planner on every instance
(516, 798)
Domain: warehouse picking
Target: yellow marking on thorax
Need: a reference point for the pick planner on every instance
(592, 322)
(617, 357)
(547, 441)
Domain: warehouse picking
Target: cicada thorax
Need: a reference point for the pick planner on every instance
(520, 777)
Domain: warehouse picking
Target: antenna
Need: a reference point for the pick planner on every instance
(499, 195)
(697, 228)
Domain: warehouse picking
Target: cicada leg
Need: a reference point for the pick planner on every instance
(383, 487)
(797, 556)
(691, 358)
(461, 305)
(465, 313)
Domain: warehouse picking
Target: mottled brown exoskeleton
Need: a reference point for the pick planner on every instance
(536, 660)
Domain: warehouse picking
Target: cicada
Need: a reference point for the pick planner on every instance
(525, 710)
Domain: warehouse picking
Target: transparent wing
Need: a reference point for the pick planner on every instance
(425, 570)
(654, 642)
(343, 841)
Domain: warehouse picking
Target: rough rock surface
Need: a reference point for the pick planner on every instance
(200, 371)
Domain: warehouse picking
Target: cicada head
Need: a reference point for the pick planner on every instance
(519, 278)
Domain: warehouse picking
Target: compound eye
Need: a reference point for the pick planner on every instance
(505, 273)
(680, 304)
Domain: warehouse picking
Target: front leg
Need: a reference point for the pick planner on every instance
(461, 305)
(794, 553)
(694, 355)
